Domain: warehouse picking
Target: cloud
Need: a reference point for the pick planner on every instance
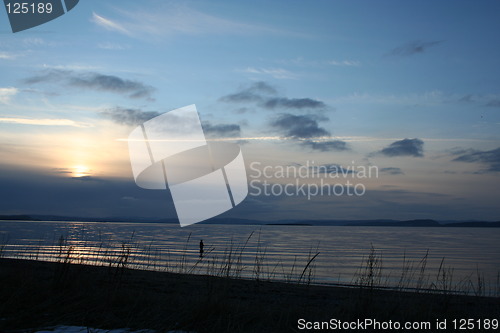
(292, 103)
(469, 98)
(264, 95)
(350, 63)
(405, 147)
(109, 24)
(299, 126)
(8, 56)
(414, 47)
(44, 122)
(89, 179)
(129, 117)
(94, 81)
(113, 46)
(495, 103)
(134, 117)
(49, 193)
(7, 93)
(277, 73)
(251, 93)
(392, 171)
(35, 42)
(242, 110)
(173, 18)
(331, 169)
(331, 145)
(221, 130)
(490, 158)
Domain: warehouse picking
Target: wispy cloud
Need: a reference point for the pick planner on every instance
(8, 56)
(353, 63)
(71, 67)
(414, 47)
(392, 171)
(134, 117)
(44, 122)
(293, 103)
(221, 130)
(489, 157)
(113, 46)
(253, 93)
(129, 117)
(495, 103)
(7, 93)
(109, 24)
(169, 19)
(94, 81)
(405, 147)
(34, 41)
(326, 145)
(277, 73)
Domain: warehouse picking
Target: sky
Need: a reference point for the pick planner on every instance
(332, 88)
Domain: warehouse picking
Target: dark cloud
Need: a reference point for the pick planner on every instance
(332, 145)
(490, 158)
(264, 96)
(330, 169)
(134, 117)
(405, 147)
(221, 130)
(242, 110)
(129, 117)
(62, 170)
(392, 171)
(252, 93)
(414, 47)
(88, 179)
(241, 97)
(292, 103)
(467, 99)
(264, 88)
(299, 126)
(94, 81)
(306, 128)
(495, 103)
(37, 192)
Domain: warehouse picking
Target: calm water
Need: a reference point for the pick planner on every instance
(272, 252)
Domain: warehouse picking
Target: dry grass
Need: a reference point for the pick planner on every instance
(38, 294)
(413, 276)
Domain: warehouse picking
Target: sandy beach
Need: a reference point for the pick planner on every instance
(38, 294)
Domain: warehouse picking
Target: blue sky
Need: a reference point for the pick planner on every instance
(409, 87)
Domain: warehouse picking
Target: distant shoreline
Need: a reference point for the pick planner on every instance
(234, 221)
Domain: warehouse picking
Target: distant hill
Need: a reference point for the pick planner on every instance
(289, 222)
(17, 218)
(474, 224)
(410, 223)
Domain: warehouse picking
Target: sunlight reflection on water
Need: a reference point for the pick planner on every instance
(285, 249)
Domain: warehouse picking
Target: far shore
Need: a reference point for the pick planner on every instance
(39, 294)
(427, 223)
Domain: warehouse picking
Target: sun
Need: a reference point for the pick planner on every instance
(80, 171)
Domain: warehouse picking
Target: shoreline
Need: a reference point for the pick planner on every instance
(42, 294)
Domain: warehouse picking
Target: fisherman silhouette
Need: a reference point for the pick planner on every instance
(201, 248)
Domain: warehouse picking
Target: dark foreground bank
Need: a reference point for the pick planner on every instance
(40, 294)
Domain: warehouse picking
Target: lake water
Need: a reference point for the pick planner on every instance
(453, 259)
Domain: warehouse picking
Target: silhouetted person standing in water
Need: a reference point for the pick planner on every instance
(201, 248)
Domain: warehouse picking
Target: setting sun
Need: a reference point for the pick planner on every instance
(80, 171)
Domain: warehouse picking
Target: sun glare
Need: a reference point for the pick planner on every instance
(80, 171)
